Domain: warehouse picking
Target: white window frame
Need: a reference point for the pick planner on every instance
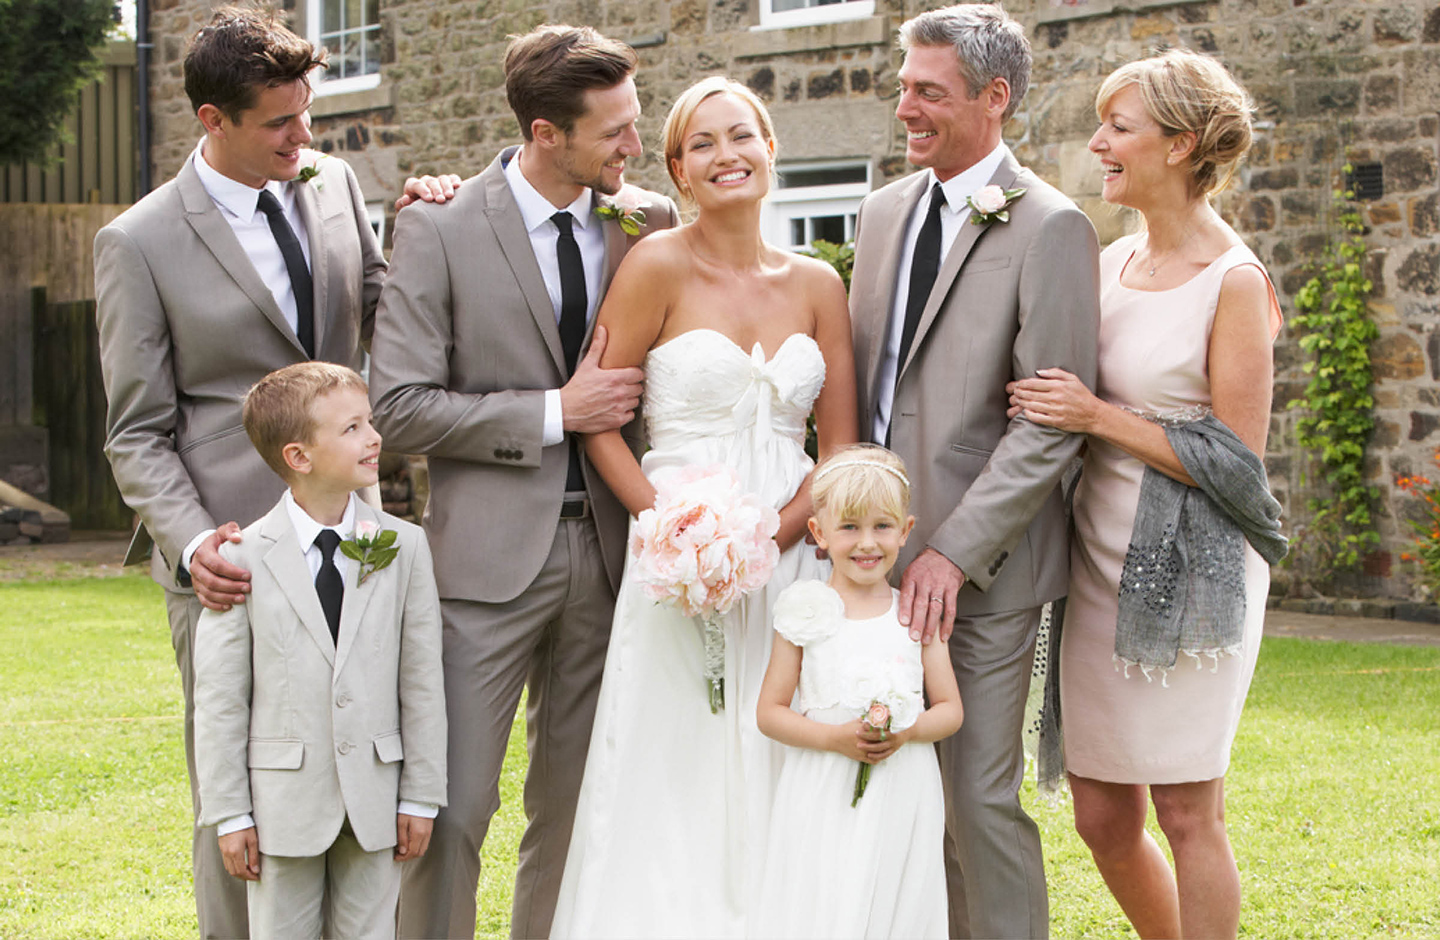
(786, 204)
(319, 79)
(771, 18)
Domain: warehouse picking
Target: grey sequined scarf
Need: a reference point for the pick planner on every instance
(1182, 589)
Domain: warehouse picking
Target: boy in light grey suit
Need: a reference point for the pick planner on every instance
(319, 704)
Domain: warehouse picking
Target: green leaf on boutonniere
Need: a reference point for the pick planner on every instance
(630, 221)
(371, 546)
(306, 174)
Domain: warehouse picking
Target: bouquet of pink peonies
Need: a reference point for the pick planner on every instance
(705, 544)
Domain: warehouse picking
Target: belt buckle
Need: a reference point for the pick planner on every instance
(575, 508)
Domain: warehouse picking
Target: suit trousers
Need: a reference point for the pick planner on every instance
(347, 892)
(550, 641)
(219, 896)
(993, 868)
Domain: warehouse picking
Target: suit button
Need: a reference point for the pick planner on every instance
(343, 700)
(345, 747)
(518, 454)
(1003, 556)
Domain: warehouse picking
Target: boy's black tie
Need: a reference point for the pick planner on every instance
(328, 583)
(300, 281)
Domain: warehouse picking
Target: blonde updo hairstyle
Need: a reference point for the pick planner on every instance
(1185, 92)
(858, 479)
(684, 109)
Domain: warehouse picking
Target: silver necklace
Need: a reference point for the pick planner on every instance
(1157, 265)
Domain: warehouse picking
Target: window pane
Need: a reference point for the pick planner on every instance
(824, 176)
(354, 14)
(330, 17)
(829, 227)
(797, 232)
(372, 12)
(349, 60)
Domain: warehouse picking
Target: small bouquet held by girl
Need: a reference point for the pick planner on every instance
(705, 544)
(857, 826)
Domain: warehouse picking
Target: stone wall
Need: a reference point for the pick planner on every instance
(1343, 79)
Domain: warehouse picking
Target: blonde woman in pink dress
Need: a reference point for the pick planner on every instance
(1188, 319)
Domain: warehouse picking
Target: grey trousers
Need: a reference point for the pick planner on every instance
(347, 893)
(219, 897)
(550, 640)
(994, 872)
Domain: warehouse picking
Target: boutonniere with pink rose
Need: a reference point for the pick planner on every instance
(311, 170)
(992, 204)
(706, 544)
(624, 207)
(371, 546)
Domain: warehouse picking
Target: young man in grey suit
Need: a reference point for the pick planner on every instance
(258, 254)
(480, 364)
(945, 313)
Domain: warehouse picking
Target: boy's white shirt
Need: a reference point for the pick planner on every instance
(306, 529)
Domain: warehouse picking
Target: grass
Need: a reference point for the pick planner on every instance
(1333, 794)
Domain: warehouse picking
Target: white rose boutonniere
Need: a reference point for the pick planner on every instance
(371, 546)
(624, 207)
(311, 169)
(807, 612)
(992, 204)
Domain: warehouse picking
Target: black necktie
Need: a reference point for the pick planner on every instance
(572, 319)
(328, 583)
(924, 265)
(294, 263)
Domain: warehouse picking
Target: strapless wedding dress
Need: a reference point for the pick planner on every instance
(671, 826)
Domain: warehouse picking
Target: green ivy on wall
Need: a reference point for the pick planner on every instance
(1332, 318)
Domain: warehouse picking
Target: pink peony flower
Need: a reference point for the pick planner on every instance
(989, 199)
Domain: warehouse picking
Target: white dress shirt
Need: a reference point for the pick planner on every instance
(536, 211)
(306, 529)
(239, 205)
(953, 214)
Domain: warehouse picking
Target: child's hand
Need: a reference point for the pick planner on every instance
(241, 851)
(877, 745)
(412, 836)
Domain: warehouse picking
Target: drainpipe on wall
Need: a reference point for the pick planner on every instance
(142, 85)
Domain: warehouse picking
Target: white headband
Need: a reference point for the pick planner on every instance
(862, 463)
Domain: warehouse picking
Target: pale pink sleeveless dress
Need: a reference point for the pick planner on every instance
(1153, 352)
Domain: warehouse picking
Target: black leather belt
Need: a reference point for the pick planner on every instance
(575, 509)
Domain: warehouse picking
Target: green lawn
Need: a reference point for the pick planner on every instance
(1334, 791)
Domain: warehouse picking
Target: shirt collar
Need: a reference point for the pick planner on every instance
(535, 209)
(967, 183)
(306, 528)
(240, 200)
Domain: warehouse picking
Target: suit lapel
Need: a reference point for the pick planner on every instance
(504, 215)
(210, 226)
(285, 560)
(881, 298)
(951, 268)
(615, 239)
(357, 596)
(307, 197)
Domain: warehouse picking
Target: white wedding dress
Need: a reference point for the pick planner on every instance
(672, 822)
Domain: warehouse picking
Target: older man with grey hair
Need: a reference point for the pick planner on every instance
(993, 275)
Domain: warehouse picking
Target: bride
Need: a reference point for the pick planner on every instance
(739, 340)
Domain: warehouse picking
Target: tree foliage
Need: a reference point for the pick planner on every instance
(47, 54)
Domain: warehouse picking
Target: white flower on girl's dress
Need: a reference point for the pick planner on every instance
(807, 612)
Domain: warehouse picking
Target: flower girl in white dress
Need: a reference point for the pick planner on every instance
(850, 856)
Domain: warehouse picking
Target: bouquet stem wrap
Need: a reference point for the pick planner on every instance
(715, 660)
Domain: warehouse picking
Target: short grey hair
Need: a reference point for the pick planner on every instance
(987, 43)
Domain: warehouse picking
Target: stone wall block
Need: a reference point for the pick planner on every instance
(1383, 213)
(1397, 356)
(1430, 31)
(1424, 215)
(1420, 272)
(1327, 98)
(1395, 24)
(1423, 424)
(1410, 168)
(1382, 94)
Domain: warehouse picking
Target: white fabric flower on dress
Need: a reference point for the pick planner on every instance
(807, 612)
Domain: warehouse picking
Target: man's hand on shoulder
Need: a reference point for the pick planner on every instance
(928, 589)
(597, 399)
(435, 189)
(219, 584)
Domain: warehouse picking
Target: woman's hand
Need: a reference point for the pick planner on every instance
(1056, 399)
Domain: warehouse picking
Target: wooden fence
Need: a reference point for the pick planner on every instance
(70, 404)
(100, 161)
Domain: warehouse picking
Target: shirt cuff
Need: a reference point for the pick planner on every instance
(554, 430)
(422, 810)
(234, 824)
(189, 552)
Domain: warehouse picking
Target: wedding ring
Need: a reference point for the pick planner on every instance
(937, 600)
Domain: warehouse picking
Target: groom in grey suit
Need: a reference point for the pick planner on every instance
(229, 271)
(480, 364)
(945, 313)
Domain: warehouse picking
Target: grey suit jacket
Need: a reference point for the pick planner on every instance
(1010, 298)
(465, 346)
(302, 734)
(187, 326)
